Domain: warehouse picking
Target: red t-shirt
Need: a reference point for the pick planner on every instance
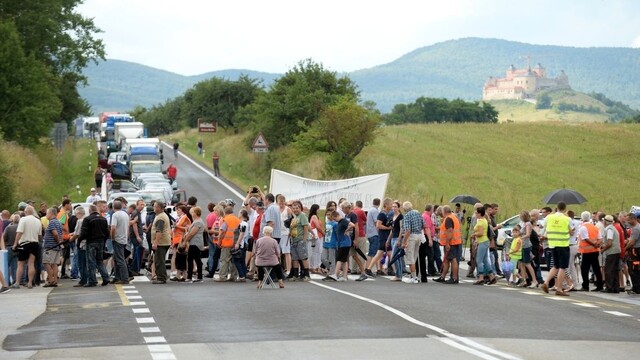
(362, 220)
(172, 171)
(256, 227)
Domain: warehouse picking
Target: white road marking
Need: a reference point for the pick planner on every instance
(465, 344)
(149, 329)
(163, 356)
(466, 349)
(134, 297)
(509, 288)
(557, 298)
(141, 310)
(147, 320)
(154, 339)
(159, 348)
(206, 171)
(617, 313)
(140, 279)
(532, 293)
(128, 287)
(587, 305)
(130, 291)
(137, 303)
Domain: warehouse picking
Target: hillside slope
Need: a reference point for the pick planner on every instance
(451, 69)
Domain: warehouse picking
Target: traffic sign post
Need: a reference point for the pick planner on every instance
(207, 126)
(260, 144)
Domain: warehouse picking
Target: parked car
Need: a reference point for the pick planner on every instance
(131, 197)
(505, 231)
(117, 157)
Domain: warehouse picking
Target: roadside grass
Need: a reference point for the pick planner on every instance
(44, 174)
(512, 164)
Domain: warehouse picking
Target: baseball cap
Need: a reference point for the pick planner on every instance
(93, 189)
(230, 202)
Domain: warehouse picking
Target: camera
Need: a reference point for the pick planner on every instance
(254, 189)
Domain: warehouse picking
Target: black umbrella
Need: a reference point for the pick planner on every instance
(568, 196)
(465, 199)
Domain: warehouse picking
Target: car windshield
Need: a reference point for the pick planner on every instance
(148, 196)
(130, 197)
(146, 168)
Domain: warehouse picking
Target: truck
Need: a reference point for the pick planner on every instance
(127, 130)
(143, 149)
(110, 122)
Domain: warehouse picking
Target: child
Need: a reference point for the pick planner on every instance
(181, 263)
(344, 244)
(515, 254)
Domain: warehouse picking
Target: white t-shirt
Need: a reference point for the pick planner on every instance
(574, 225)
(120, 221)
(30, 227)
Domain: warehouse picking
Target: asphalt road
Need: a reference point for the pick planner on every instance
(373, 319)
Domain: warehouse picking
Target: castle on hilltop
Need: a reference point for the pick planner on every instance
(520, 84)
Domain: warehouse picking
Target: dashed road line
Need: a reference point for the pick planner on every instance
(141, 310)
(587, 305)
(154, 339)
(152, 329)
(146, 320)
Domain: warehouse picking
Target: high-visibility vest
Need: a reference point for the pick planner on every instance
(232, 222)
(585, 246)
(557, 230)
(456, 239)
(63, 217)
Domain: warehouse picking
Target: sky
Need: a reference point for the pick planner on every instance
(192, 37)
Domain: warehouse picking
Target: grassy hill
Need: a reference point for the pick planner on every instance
(451, 69)
(513, 164)
(121, 85)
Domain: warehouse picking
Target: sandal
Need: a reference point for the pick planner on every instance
(479, 282)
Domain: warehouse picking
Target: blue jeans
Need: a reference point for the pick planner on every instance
(81, 259)
(214, 258)
(94, 261)
(483, 260)
(400, 265)
(437, 255)
(136, 256)
(73, 253)
(13, 265)
(121, 273)
(240, 264)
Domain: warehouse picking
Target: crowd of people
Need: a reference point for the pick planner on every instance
(292, 241)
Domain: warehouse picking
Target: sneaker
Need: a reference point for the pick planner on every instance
(341, 279)
(451, 281)
(362, 277)
(368, 273)
(306, 278)
(174, 279)
(15, 286)
(196, 281)
(439, 279)
(4, 289)
(329, 278)
(292, 278)
(413, 281)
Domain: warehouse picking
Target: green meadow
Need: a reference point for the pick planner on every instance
(512, 164)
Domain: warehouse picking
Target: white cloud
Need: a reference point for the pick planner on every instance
(636, 42)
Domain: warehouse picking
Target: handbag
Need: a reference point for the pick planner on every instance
(237, 253)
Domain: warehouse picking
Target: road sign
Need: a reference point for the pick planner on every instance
(260, 144)
(207, 126)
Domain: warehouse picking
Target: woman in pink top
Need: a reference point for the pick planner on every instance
(267, 253)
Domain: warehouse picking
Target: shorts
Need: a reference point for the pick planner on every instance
(181, 261)
(560, 257)
(342, 254)
(285, 246)
(299, 251)
(454, 252)
(250, 244)
(362, 245)
(412, 249)
(374, 246)
(26, 249)
(52, 256)
(382, 245)
(526, 255)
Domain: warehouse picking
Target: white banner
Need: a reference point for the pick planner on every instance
(310, 191)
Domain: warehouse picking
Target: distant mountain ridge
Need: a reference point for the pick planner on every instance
(451, 69)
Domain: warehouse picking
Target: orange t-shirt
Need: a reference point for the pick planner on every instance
(178, 233)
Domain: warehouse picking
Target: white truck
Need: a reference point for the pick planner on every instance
(127, 130)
